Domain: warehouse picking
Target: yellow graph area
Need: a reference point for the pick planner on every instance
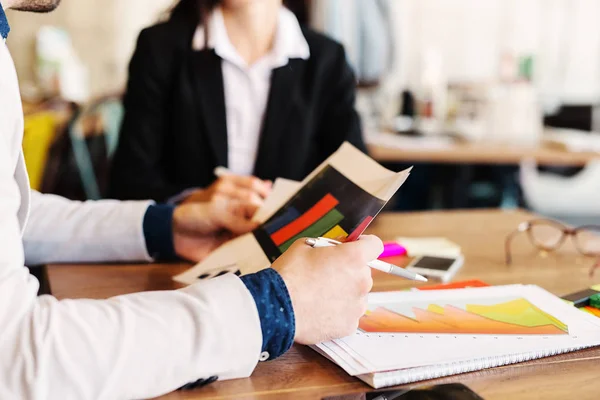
(519, 312)
(336, 233)
(436, 309)
(517, 317)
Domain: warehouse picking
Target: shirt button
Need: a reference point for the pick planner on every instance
(264, 356)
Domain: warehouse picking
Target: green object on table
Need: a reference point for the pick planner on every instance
(595, 301)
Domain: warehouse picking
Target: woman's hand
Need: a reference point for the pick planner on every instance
(247, 189)
(200, 227)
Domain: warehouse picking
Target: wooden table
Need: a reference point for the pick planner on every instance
(302, 374)
(482, 153)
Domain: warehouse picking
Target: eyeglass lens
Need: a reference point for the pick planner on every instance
(546, 234)
(587, 241)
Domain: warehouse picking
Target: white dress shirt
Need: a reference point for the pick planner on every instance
(247, 86)
(128, 347)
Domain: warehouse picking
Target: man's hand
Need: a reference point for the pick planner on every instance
(328, 286)
(248, 189)
(199, 228)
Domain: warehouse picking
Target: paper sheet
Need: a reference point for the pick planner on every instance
(281, 192)
(490, 328)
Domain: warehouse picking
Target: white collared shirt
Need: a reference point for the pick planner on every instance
(246, 86)
(114, 349)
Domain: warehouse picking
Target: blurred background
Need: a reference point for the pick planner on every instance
(495, 102)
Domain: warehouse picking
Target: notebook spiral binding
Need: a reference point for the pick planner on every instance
(400, 377)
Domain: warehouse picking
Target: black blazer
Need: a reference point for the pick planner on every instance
(174, 131)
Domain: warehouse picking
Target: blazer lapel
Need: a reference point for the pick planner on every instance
(284, 96)
(207, 80)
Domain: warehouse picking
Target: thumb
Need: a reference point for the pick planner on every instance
(237, 216)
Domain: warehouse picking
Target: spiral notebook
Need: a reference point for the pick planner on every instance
(413, 336)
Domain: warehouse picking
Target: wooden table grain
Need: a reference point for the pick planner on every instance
(482, 153)
(303, 374)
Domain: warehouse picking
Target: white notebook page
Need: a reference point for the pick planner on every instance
(366, 352)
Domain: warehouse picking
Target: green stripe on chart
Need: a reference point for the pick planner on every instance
(322, 226)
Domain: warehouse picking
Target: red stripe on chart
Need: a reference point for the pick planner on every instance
(311, 216)
(360, 229)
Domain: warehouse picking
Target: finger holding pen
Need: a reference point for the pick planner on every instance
(374, 263)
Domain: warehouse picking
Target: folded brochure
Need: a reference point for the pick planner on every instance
(338, 200)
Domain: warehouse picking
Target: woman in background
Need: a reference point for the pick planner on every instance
(234, 83)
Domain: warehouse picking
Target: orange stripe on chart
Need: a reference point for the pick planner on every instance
(591, 310)
(311, 216)
(456, 285)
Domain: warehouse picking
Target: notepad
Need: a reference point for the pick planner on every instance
(412, 336)
(430, 246)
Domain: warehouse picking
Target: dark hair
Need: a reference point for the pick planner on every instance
(194, 12)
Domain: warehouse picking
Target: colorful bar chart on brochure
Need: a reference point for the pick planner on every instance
(330, 205)
(512, 317)
(312, 216)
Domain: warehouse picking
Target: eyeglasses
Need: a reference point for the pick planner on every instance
(548, 235)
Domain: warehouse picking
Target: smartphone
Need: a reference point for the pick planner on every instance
(580, 299)
(436, 267)
(452, 391)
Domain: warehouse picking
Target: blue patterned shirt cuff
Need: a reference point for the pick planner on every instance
(158, 232)
(274, 309)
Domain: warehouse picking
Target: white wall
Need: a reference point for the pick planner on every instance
(471, 34)
(563, 35)
(133, 16)
(103, 34)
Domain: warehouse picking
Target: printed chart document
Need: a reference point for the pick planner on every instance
(338, 200)
(412, 336)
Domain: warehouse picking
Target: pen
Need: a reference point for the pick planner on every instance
(375, 264)
(221, 171)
